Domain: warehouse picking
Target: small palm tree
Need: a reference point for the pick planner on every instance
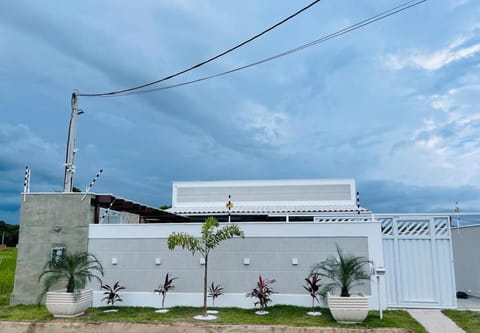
(73, 269)
(212, 235)
(215, 291)
(313, 287)
(112, 293)
(262, 292)
(343, 272)
(164, 288)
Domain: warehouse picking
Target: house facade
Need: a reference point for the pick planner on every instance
(289, 225)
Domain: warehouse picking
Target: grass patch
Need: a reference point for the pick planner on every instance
(279, 315)
(7, 273)
(469, 321)
(33, 313)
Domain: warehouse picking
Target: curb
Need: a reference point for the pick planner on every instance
(115, 327)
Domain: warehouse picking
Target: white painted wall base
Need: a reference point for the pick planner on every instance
(196, 299)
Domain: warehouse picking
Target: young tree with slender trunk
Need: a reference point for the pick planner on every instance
(211, 236)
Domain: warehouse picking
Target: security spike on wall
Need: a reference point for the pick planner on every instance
(26, 183)
(89, 187)
(107, 211)
(358, 202)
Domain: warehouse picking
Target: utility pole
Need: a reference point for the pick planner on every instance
(71, 150)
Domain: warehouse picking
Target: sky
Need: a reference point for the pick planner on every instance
(394, 105)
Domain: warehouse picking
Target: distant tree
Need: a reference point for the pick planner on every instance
(9, 232)
(164, 207)
(76, 189)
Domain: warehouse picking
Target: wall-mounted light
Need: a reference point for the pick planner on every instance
(246, 261)
(114, 261)
(202, 261)
(158, 261)
(295, 261)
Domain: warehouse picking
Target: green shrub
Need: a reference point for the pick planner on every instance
(7, 273)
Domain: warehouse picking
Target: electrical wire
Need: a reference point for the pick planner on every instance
(338, 33)
(206, 61)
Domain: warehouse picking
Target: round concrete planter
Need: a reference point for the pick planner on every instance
(62, 304)
(348, 310)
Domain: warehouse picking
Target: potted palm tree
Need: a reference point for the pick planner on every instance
(344, 272)
(73, 270)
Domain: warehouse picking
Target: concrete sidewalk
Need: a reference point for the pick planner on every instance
(435, 321)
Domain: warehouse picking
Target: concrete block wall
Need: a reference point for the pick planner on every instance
(281, 251)
(48, 220)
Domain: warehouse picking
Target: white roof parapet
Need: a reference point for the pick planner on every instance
(271, 197)
(270, 210)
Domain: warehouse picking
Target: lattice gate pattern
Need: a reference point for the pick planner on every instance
(419, 261)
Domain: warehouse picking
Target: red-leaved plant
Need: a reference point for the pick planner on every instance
(262, 292)
(164, 288)
(215, 291)
(112, 293)
(313, 287)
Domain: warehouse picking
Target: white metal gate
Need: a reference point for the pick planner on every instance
(419, 261)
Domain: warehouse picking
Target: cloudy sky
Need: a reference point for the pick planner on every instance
(394, 105)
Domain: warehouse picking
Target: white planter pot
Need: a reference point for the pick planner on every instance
(62, 304)
(348, 310)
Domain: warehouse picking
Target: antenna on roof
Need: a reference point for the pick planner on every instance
(229, 205)
(89, 187)
(26, 182)
(457, 212)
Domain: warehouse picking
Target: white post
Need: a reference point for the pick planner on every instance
(379, 297)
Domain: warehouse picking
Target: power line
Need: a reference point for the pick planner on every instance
(338, 33)
(208, 60)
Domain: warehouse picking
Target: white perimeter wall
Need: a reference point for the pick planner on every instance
(269, 246)
(467, 259)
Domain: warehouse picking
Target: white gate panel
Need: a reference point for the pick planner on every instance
(446, 271)
(391, 276)
(419, 261)
(416, 272)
